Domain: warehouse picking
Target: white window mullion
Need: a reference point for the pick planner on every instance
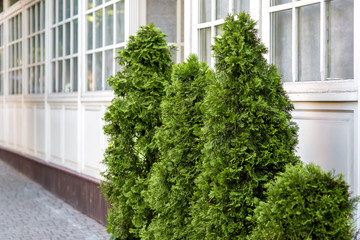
(295, 44)
(323, 40)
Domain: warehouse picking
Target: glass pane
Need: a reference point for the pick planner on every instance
(309, 43)
(60, 77)
(109, 62)
(90, 4)
(278, 2)
(43, 7)
(39, 48)
(109, 25)
(54, 77)
(43, 46)
(98, 2)
(163, 14)
(68, 39)
(1, 55)
(61, 10)
(205, 11)
(75, 36)
(281, 43)
(37, 79)
(33, 50)
(67, 8)
(205, 45)
(90, 73)
(75, 75)
(98, 28)
(341, 39)
(242, 5)
(42, 78)
(54, 42)
(29, 51)
(38, 16)
(54, 11)
(117, 66)
(76, 7)
(98, 71)
(222, 8)
(60, 41)
(219, 30)
(67, 87)
(90, 20)
(31, 84)
(120, 33)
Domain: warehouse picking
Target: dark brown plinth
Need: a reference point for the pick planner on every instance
(81, 192)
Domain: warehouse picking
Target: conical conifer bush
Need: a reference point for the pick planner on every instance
(131, 120)
(172, 180)
(248, 134)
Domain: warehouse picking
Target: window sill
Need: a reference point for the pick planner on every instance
(337, 90)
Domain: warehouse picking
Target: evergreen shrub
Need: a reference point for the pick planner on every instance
(172, 179)
(248, 134)
(305, 202)
(131, 120)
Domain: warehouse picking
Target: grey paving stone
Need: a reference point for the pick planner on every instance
(28, 211)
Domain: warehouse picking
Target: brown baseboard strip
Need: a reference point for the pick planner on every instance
(81, 192)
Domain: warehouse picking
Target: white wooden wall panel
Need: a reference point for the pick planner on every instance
(40, 131)
(56, 135)
(19, 127)
(93, 139)
(2, 124)
(11, 129)
(71, 138)
(30, 129)
(326, 138)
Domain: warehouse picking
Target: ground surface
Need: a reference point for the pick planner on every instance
(28, 211)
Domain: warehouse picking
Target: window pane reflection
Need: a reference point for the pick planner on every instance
(340, 46)
(309, 43)
(281, 43)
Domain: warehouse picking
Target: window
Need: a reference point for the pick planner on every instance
(13, 1)
(312, 40)
(168, 15)
(36, 48)
(211, 17)
(1, 59)
(64, 31)
(15, 54)
(105, 35)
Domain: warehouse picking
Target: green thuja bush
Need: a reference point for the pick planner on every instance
(131, 120)
(248, 134)
(172, 179)
(305, 202)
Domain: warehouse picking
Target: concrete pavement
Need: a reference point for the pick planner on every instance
(28, 211)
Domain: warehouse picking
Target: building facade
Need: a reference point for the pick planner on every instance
(55, 57)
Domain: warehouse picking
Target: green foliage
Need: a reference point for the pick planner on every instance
(248, 134)
(305, 203)
(172, 180)
(131, 120)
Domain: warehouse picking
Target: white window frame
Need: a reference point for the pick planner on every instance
(70, 57)
(30, 35)
(9, 44)
(194, 38)
(2, 60)
(114, 46)
(322, 90)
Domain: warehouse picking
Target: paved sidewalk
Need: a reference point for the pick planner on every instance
(28, 211)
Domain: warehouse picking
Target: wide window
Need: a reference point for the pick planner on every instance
(1, 59)
(105, 36)
(211, 17)
(312, 40)
(15, 54)
(168, 15)
(36, 48)
(64, 29)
